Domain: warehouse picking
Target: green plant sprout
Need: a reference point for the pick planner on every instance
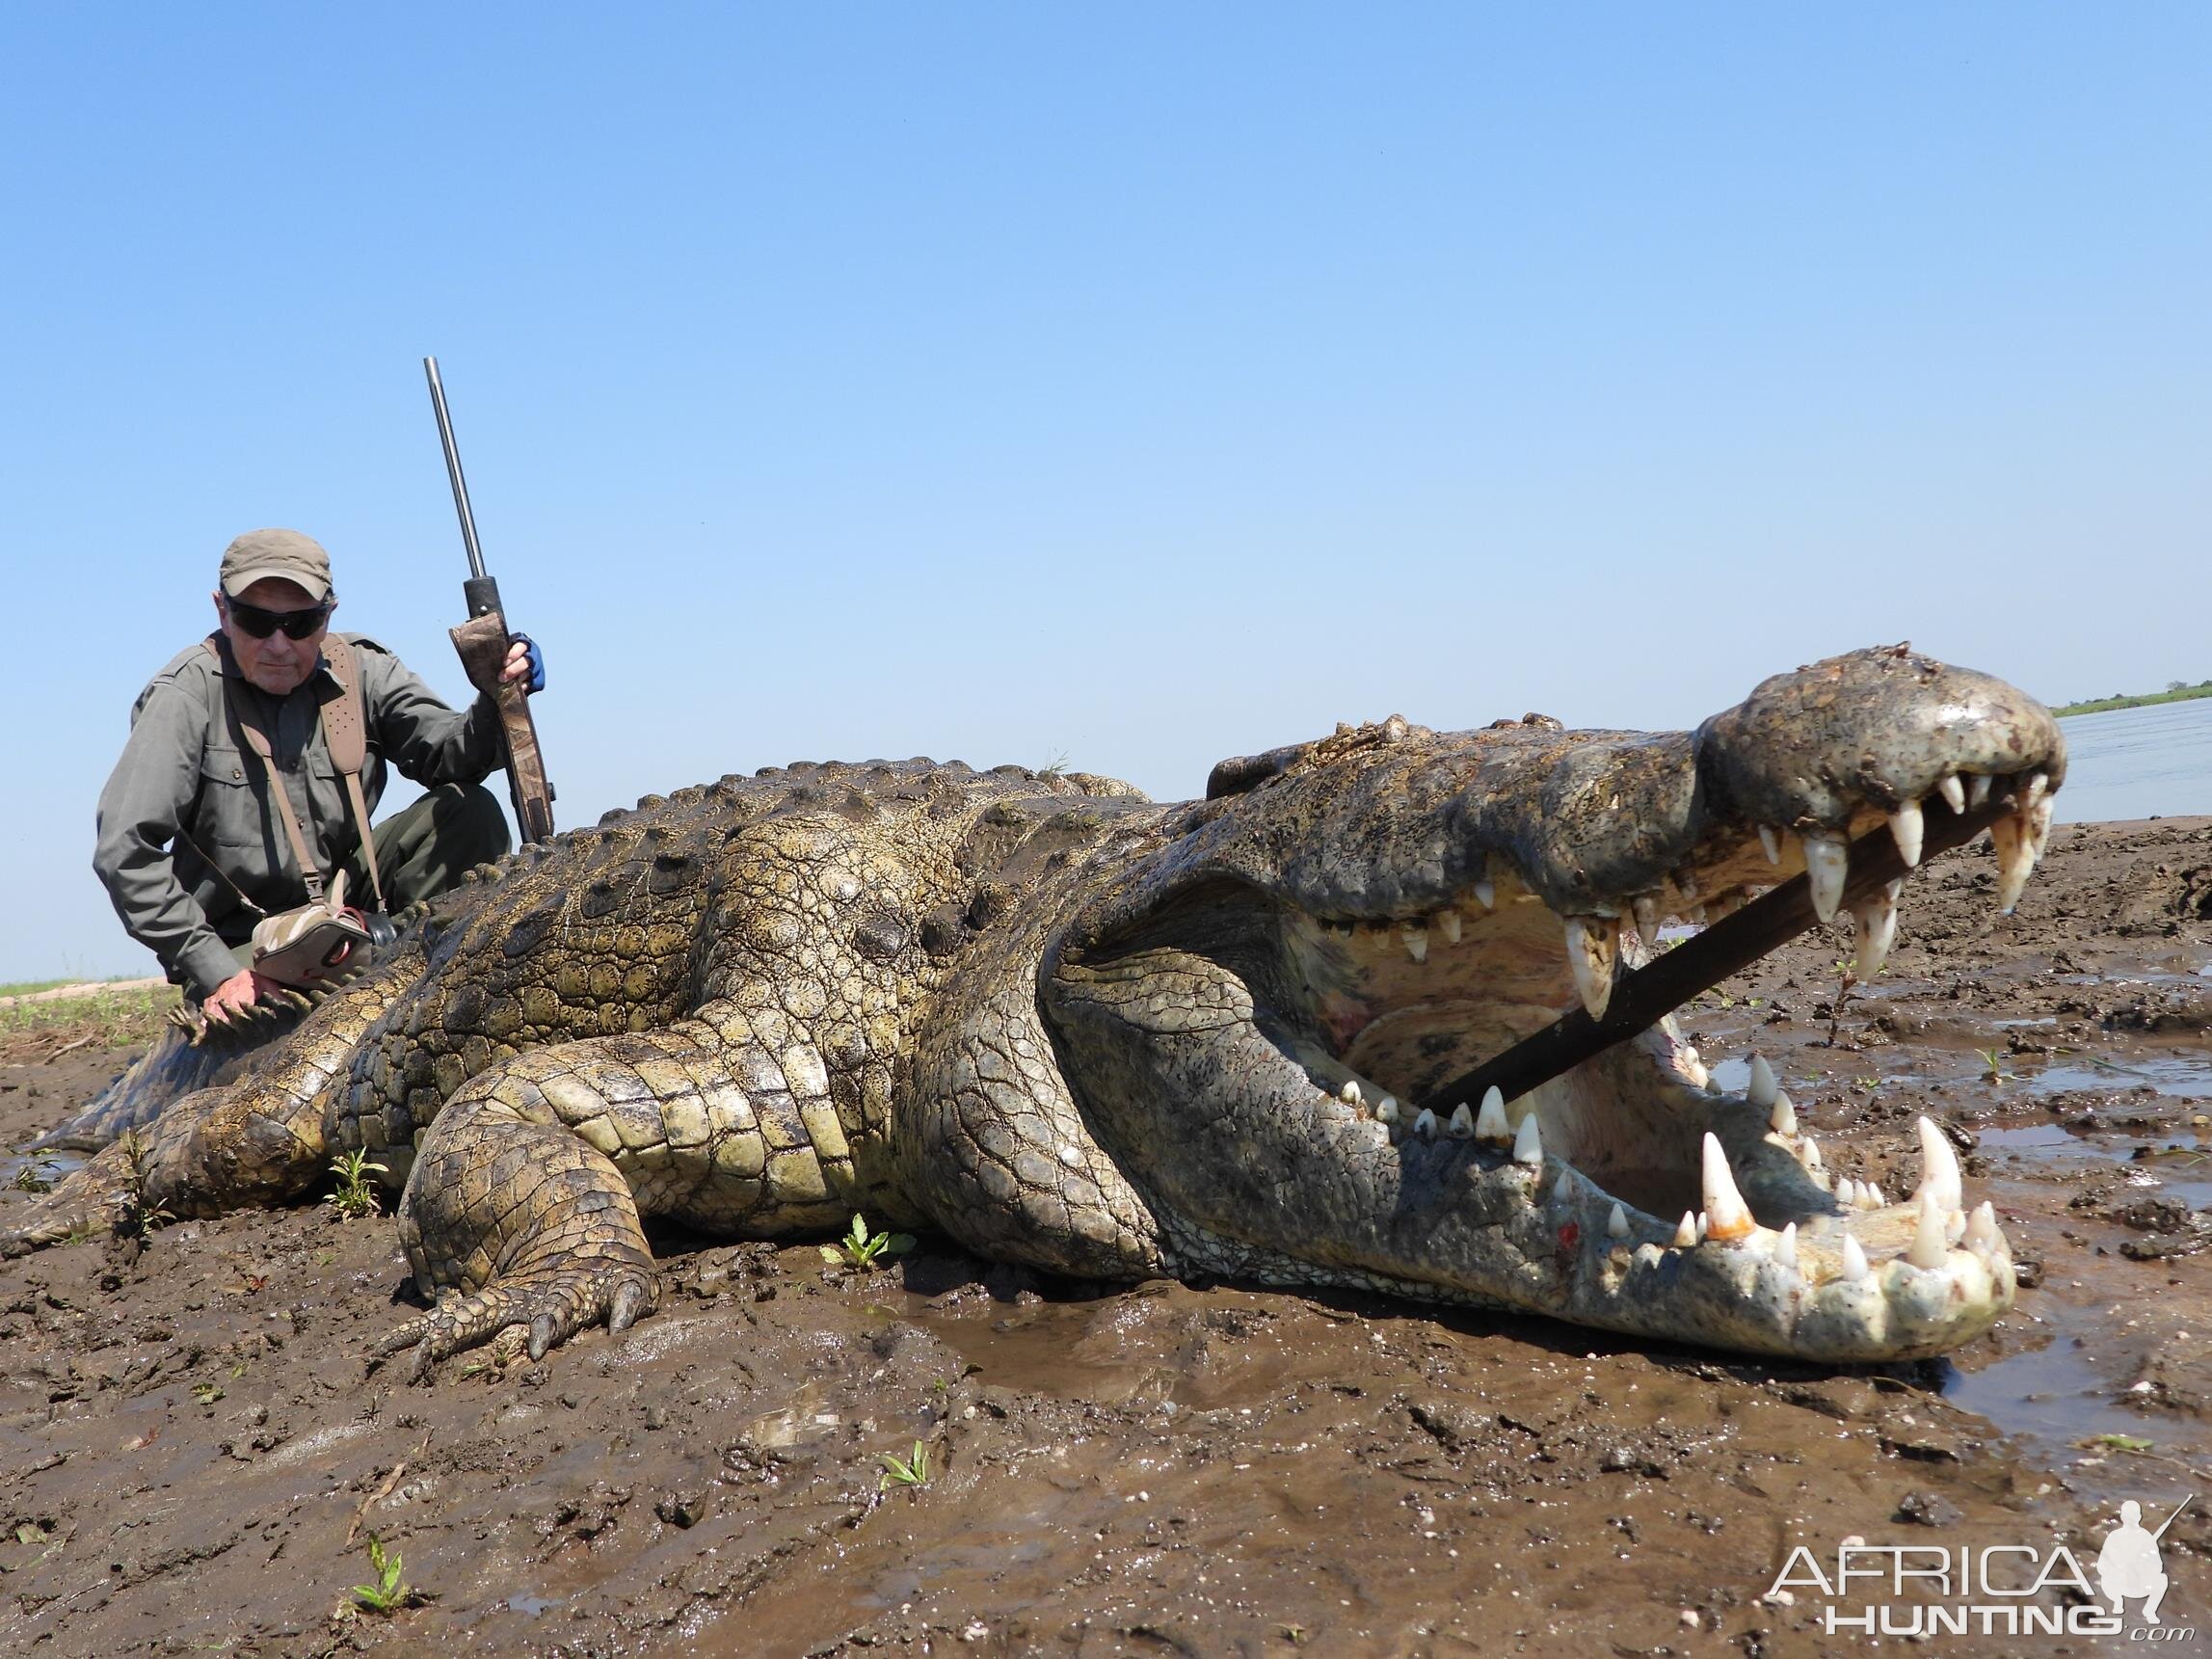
(861, 1249)
(355, 1195)
(900, 1471)
(135, 1217)
(390, 1593)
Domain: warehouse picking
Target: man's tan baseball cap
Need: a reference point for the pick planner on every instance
(286, 555)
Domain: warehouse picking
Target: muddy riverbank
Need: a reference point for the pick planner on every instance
(193, 1453)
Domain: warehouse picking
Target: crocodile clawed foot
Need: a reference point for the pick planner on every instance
(514, 1222)
(552, 1305)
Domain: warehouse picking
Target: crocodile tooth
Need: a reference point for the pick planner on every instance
(1873, 1196)
(1812, 1154)
(1448, 920)
(1424, 1125)
(1874, 919)
(1593, 946)
(2039, 825)
(1953, 1225)
(1770, 842)
(1762, 1089)
(1939, 1177)
(1827, 862)
(1953, 792)
(1927, 1247)
(1981, 1235)
(1783, 1120)
(1685, 884)
(2014, 840)
(1847, 1193)
(1686, 1234)
(1416, 938)
(1786, 1246)
(1704, 1221)
(1977, 792)
(1696, 915)
(1490, 1120)
(1349, 1093)
(1617, 1223)
(1646, 910)
(1905, 826)
(1730, 1217)
(1386, 1109)
(1529, 1142)
(1649, 1255)
(1462, 1124)
(1853, 1260)
(1486, 894)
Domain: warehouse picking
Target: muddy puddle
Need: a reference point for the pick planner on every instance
(193, 1453)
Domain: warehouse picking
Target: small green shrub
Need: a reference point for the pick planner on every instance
(355, 1195)
(861, 1249)
(390, 1593)
(897, 1471)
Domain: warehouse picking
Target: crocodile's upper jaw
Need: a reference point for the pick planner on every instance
(1258, 1021)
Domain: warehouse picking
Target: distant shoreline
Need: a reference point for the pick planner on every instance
(2098, 706)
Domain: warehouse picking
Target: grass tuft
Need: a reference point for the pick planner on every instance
(30, 1032)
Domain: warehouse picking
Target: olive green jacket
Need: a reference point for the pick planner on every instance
(189, 805)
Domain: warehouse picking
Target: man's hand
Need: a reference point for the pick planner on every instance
(525, 663)
(237, 993)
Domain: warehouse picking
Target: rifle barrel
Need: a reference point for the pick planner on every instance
(453, 469)
(2172, 1518)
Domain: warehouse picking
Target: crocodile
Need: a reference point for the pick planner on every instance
(1070, 1027)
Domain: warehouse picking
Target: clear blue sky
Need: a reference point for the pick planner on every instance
(1140, 383)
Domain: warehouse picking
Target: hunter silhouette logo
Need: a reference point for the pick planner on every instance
(1928, 1589)
(2128, 1566)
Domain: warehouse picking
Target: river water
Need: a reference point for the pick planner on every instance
(2137, 762)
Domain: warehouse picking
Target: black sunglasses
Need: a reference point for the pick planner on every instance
(261, 624)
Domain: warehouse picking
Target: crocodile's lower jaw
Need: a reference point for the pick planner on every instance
(1770, 1253)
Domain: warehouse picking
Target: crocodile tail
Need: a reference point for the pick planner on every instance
(181, 1061)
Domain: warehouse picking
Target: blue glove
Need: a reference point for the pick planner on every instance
(537, 662)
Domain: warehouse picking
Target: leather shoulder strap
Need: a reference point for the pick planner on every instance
(345, 720)
(345, 733)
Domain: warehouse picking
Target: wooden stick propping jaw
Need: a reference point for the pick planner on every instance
(1640, 996)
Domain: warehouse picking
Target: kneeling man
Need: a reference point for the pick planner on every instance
(236, 775)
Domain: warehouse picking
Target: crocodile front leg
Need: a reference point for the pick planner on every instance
(527, 1202)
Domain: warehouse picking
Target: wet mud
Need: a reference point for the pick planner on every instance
(193, 1453)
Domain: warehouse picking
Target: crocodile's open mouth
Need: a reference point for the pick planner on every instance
(1624, 1190)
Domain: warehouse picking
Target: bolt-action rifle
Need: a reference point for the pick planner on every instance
(482, 642)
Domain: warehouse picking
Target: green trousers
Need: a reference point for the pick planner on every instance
(422, 849)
